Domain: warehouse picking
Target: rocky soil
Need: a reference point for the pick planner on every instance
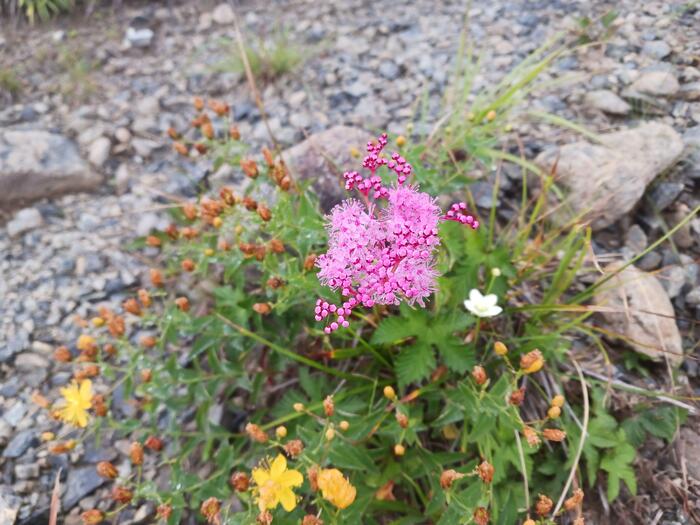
(85, 167)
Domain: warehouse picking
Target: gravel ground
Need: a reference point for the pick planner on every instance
(65, 256)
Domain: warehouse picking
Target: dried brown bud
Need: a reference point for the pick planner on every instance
(531, 362)
(198, 103)
(210, 510)
(156, 277)
(40, 400)
(448, 477)
(262, 308)
(109, 349)
(239, 481)
(62, 354)
(575, 500)
(285, 183)
(172, 133)
(250, 168)
(310, 262)
(122, 494)
(164, 511)
(181, 149)
(183, 303)
(256, 433)
(543, 506)
(187, 265)
(479, 375)
(276, 246)
(553, 434)
(312, 474)
(386, 492)
(99, 405)
(219, 107)
(486, 471)
(144, 298)
(531, 436)
(86, 372)
(202, 148)
(146, 375)
(264, 212)
(275, 282)
(294, 448)
(136, 453)
(92, 517)
(250, 203)
(116, 325)
(402, 419)
(328, 406)
(500, 348)
(267, 154)
(131, 305)
(260, 252)
(481, 516)
(234, 133)
(148, 341)
(264, 518)
(106, 470)
(579, 521)
(153, 241)
(189, 233)
(517, 397)
(310, 519)
(227, 196)
(224, 245)
(154, 443)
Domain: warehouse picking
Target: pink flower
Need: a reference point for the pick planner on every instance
(382, 255)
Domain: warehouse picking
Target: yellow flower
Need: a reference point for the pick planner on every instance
(335, 488)
(78, 398)
(274, 484)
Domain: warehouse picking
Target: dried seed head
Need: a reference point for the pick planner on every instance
(172, 133)
(328, 406)
(531, 436)
(109, 349)
(234, 133)
(579, 521)
(481, 516)
(402, 419)
(164, 511)
(294, 448)
(210, 510)
(554, 412)
(399, 449)
(479, 375)
(148, 341)
(500, 348)
(281, 432)
(275, 282)
(223, 245)
(62, 354)
(517, 397)
(553, 434)
(486, 471)
(156, 277)
(198, 103)
(153, 241)
(116, 325)
(448, 477)
(136, 453)
(264, 518)
(264, 212)
(558, 401)
(250, 168)
(239, 481)
(219, 107)
(99, 405)
(543, 506)
(310, 262)
(154, 443)
(92, 517)
(330, 434)
(256, 433)
(202, 148)
(144, 298)
(386, 492)
(122, 494)
(532, 362)
(250, 203)
(183, 303)
(310, 519)
(575, 500)
(131, 305)
(86, 343)
(262, 308)
(276, 246)
(389, 393)
(106, 470)
(181, 149)
(187, 265)
(312, 474)
(86, 372)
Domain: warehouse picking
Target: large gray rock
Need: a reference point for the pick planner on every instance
(607, 101)
(636, 308)
(606, 180)
(323, 158)
(35, 164)
(656, 83)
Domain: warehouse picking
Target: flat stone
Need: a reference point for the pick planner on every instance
(636, 239)
(656, 83)
(99, 151)
(657, 49)
(308, 160)
(27, 471)
(36, 164)
(223, 14)
(690, 91)
(19, 444)
(606, 180)
(607, 102)
(672, 278)
(24, 220)
(637, 307)
(664, 194)
(80, 482)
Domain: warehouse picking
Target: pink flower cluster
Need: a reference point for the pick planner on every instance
(382, 255)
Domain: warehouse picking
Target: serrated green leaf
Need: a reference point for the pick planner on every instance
(414, 362)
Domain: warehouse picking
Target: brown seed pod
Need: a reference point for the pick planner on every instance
(448, 477)
(256, 433)
(62, 354)
(402, 419)
(201, 148)
(479, 375)
(310, 262)
(517, 397)
(543, 506)
(262, 308)
(107, 470)
(553, 434)
(575, 500)
(486, 471)
(181, 149)
(481, 516)
(187, 265)
(136, 453)
(239, 481)
(234, 133)
(275, 282)
(198, 103)
(122, 494)
(250, 168)
(329, 406)
(294, 448)
(164, 511)
(531, 436)
(148, 341)
(144, 298)
(264, 212)
(276, 246)
(99, 405)
(250, 203)
(146, 375)
(156, 278)
(183, 303)
(132, 306)
(154, 443)
(92, 517)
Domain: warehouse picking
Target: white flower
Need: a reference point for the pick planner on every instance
(482, 305)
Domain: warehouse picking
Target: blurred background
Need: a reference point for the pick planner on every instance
(88, 91)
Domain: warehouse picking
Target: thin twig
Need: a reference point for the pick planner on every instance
(574, 467)
(523, 466)
(55, 500)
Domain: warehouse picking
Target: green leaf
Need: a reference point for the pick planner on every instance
(414, 362)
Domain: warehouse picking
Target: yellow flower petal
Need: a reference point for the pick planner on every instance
(291, 478)
(278, 466)
(287, 498)
(260, 476)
